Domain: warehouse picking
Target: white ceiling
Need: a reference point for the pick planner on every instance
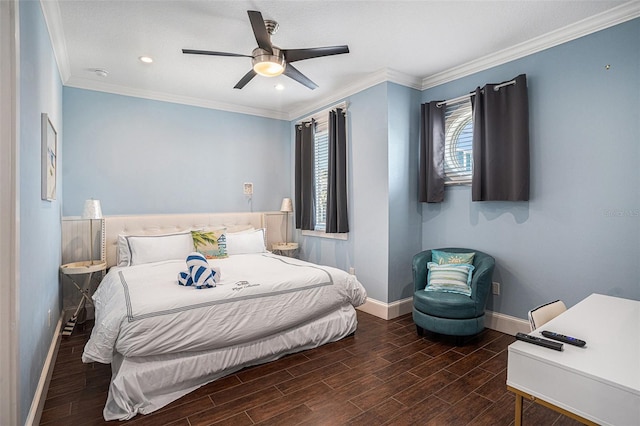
(415, 43)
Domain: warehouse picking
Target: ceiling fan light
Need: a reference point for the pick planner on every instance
(268, 65)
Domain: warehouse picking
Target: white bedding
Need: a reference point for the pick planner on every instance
(146, 384)
(141, 311)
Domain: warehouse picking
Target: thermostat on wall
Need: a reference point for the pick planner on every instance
(248, 188)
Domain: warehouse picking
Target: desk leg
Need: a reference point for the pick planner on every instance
(518, 419)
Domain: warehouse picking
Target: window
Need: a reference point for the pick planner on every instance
(458, 158)
(321, 170)
(321, 173)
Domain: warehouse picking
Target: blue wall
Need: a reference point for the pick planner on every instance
(367, 248)
(580, 231)
(142, 156)
(405, 220)
(40, 221)
(149, 157)
(385, 216)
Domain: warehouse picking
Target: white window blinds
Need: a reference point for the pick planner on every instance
(321, 166)
(458, 154)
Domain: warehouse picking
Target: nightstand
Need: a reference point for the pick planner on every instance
(75, 271)
(285, 249)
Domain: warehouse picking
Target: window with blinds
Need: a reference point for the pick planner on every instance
(321, 166)
(458, 158)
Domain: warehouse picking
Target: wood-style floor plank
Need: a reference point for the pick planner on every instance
(384, 374)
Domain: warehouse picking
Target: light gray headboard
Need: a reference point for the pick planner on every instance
(165, 223)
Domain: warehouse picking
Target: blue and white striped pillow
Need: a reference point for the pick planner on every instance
(185, 279)
(450, 278)
(200, 271)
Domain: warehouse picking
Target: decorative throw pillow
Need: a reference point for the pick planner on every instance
(442, 257)
(212, 243)
(450, 278)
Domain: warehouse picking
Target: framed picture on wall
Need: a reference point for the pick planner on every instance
(49, 158)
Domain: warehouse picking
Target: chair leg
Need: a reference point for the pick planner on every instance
(419, 330)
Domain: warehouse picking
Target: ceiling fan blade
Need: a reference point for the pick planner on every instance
(260, 30)
(208, 52)
(244, 80)
(292, 55)
(296, 75)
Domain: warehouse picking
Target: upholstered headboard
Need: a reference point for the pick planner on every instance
(166, 223)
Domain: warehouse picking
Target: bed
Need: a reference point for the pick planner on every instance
(164, 340)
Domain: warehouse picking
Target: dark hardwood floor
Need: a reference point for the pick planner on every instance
(384, 374)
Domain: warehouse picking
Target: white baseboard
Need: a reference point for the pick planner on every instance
(35, 412)
(493, 320)
(387, 311)
(505, 323)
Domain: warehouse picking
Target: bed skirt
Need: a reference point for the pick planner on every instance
(146, 384)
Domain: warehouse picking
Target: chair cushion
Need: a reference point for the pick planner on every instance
(444, 305)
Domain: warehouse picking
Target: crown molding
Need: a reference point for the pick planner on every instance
(402, 79)
(385, 75)
(381, 76)
(344, 92)
(82, 83)
(53, 20)
(614, 16)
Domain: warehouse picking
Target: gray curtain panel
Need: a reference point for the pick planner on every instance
(337, 221)
(431, 185)
(501, 142)
(305, 194)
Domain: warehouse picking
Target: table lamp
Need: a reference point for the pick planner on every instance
(92, 210)
(286, 207)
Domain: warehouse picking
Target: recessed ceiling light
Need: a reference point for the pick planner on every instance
(101, 72)
(146, 59)
(279, 86)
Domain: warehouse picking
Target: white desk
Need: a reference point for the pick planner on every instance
(598, 383)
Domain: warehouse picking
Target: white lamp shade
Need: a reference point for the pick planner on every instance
(92, 209)
(287, 205)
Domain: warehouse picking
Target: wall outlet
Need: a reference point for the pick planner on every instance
(247, 188)
(495, 288)
(352, 271)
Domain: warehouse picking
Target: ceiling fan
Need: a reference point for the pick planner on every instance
(269, 60)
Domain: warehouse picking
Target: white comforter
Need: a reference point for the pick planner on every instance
(142, 311)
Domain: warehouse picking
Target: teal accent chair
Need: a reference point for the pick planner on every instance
(452, 314)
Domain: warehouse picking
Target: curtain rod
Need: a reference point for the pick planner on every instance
(343, 105)
(463, 97)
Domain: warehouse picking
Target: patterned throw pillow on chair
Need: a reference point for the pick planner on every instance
(443, 257)
(450, 278)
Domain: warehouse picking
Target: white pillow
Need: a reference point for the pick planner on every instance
(154, 248)
(122, 254)
(239, 228)
(246, 242)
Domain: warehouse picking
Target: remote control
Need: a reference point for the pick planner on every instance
(562, 338)
(539, 341)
